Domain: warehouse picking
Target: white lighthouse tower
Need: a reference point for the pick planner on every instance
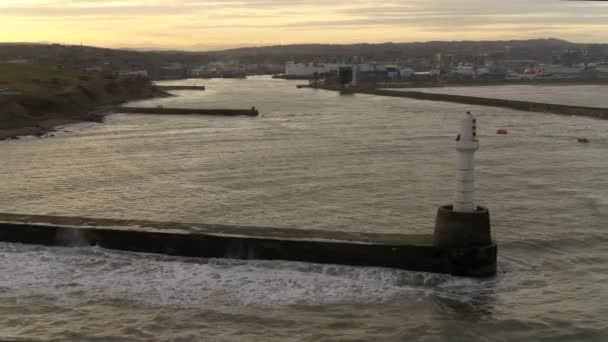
(463, 228)
(466, 146)
(355, 81)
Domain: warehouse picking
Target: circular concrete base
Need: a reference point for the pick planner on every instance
(461, 230)
(473, 261)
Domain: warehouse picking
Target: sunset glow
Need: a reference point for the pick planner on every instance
(201, 25)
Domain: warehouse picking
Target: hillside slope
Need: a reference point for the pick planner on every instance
(38, 98)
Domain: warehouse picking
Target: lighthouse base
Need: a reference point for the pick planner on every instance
(467, 238)
(460, 230)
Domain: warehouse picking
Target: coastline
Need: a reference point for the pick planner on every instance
(63, 97)
(43, 128)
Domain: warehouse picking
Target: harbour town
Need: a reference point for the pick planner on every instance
(303, 171)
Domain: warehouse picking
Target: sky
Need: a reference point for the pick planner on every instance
(220, 24)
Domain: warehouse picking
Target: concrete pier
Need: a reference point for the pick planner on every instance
(181, 87)
(188, 111)
(408, 252)
(593, 112)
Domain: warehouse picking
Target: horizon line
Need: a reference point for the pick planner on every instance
(193, 49)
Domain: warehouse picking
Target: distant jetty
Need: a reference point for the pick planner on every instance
(188, 111)
(593, 112)
(181, 87)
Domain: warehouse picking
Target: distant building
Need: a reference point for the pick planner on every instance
(172, 71)
(304, 70)
(601, 69)
(561, 70)
(464, 70)
(310, 70)
(470, 71)
(221, 70)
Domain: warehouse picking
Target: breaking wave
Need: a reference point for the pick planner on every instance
(94, 273)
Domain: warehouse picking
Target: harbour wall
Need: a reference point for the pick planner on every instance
(408, 252)
(188, 111)
(181, 87)
(593, 112)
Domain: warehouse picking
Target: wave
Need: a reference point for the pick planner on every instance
(99, 274)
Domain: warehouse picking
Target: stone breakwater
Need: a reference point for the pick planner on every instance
(593, 112)
(400, 251)
(188, 111)
(181, 87)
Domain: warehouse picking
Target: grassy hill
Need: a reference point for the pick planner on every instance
(80, 57)
(41, 97)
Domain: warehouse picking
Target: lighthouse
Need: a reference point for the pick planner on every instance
(466, 146)
(355, 80)
(462, 229)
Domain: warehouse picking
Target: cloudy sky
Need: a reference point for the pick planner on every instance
(217, 24)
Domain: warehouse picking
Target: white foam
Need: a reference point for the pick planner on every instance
(75, 128)
(94, 273)
(62, 131)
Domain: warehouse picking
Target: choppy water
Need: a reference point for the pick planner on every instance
(314, 159)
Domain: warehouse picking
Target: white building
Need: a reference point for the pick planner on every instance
(470, 70)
